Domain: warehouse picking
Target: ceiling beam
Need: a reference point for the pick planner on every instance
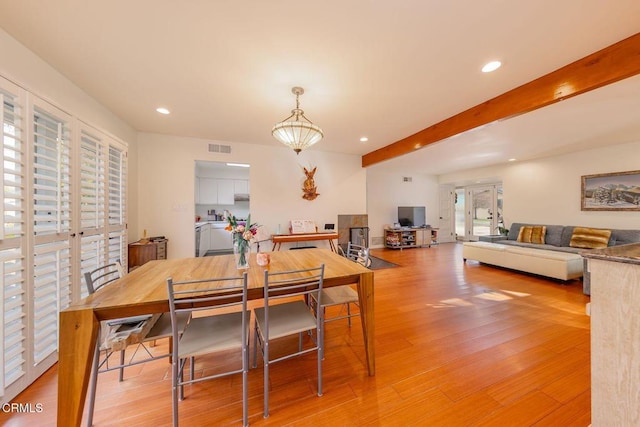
(616, 62)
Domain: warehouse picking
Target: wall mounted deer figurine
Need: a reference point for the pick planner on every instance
(309, 186)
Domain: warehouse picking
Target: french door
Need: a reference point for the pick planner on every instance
(478, 211)
(63, 208)
(484, 210)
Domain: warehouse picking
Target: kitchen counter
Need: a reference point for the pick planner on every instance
(615, 353)
(215, 224)
(629, 254)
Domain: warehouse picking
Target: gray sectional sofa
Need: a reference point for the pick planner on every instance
(555, 258)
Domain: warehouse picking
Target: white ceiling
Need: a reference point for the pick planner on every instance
(381, 69)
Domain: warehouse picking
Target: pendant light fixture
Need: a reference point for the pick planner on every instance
(296, 131)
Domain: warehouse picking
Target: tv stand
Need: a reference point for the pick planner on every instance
(406, 237)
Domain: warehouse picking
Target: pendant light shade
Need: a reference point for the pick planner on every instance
(296, 131)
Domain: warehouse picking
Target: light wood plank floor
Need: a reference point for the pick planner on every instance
(457, 345)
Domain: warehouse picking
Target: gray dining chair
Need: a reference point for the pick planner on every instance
(212, 332)
(343, 296)
(279, 320)
(161, 328)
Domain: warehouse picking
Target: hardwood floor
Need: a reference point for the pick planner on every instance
(457, 345)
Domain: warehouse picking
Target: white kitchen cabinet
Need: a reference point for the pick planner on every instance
(208, 191)
(225, 191)
(241, 186)
(214, 191)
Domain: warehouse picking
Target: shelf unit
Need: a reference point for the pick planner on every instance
(400, 238)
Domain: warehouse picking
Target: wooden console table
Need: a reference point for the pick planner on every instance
(278, 239)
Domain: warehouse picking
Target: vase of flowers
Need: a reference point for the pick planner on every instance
(242, 233)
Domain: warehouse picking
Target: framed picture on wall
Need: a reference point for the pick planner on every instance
(618, 191)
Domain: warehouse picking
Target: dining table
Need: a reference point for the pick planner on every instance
(144, 291)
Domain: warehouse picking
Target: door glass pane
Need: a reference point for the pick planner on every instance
(460, 216)
(481, 211)
(500, 218)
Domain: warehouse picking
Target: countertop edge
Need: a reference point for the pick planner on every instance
(629, 253)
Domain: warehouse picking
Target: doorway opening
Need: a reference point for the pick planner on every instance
(478, 211)
(220, 188)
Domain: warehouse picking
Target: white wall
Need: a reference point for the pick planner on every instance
(166, 186)
(387, 191)
(547, 190)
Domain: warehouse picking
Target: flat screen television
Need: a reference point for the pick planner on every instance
(412, 216)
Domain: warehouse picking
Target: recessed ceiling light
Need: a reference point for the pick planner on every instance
(491, 66)
(238, 165)
(512, 160)
(364, 139)
(163, 110)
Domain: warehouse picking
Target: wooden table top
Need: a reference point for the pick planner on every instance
(144, 290)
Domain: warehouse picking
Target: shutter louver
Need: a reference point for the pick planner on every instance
(92, 182)
(13, 308)
(117, 183)
(14, 315)
(52, 293)
(12, 208)
(92, 256)
(51, 180)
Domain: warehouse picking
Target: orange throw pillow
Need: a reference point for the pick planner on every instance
(532, 234)
(589, 238)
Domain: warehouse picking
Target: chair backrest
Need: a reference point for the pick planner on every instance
(102, 276)
(291, 283)
(359, 254)
(206, 294)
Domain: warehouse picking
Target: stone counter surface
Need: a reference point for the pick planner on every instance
(624, 253)
(615, 335)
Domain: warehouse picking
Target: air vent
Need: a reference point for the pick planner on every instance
(219, 148)
(407, 179)
(377, 241)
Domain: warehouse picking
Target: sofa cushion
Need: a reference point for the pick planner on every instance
(532, 234)
(567, 233)
(554, 235)
(624, 237)
(538, 246)
(589, 238)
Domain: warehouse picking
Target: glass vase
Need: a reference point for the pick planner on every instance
(241, 251)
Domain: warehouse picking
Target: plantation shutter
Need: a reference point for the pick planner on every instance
(117, 185)
(13, 297)
(93, 242)
(63, 188)
(52, 225)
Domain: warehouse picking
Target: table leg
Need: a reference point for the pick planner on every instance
(365, 299)
(78, 335)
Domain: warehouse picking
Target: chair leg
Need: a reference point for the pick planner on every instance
(265, 352)
(255, 345)
(180, 376)
(320, 345)
(93, 386)
(245, 386)
(175, 371)
(121, 375)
